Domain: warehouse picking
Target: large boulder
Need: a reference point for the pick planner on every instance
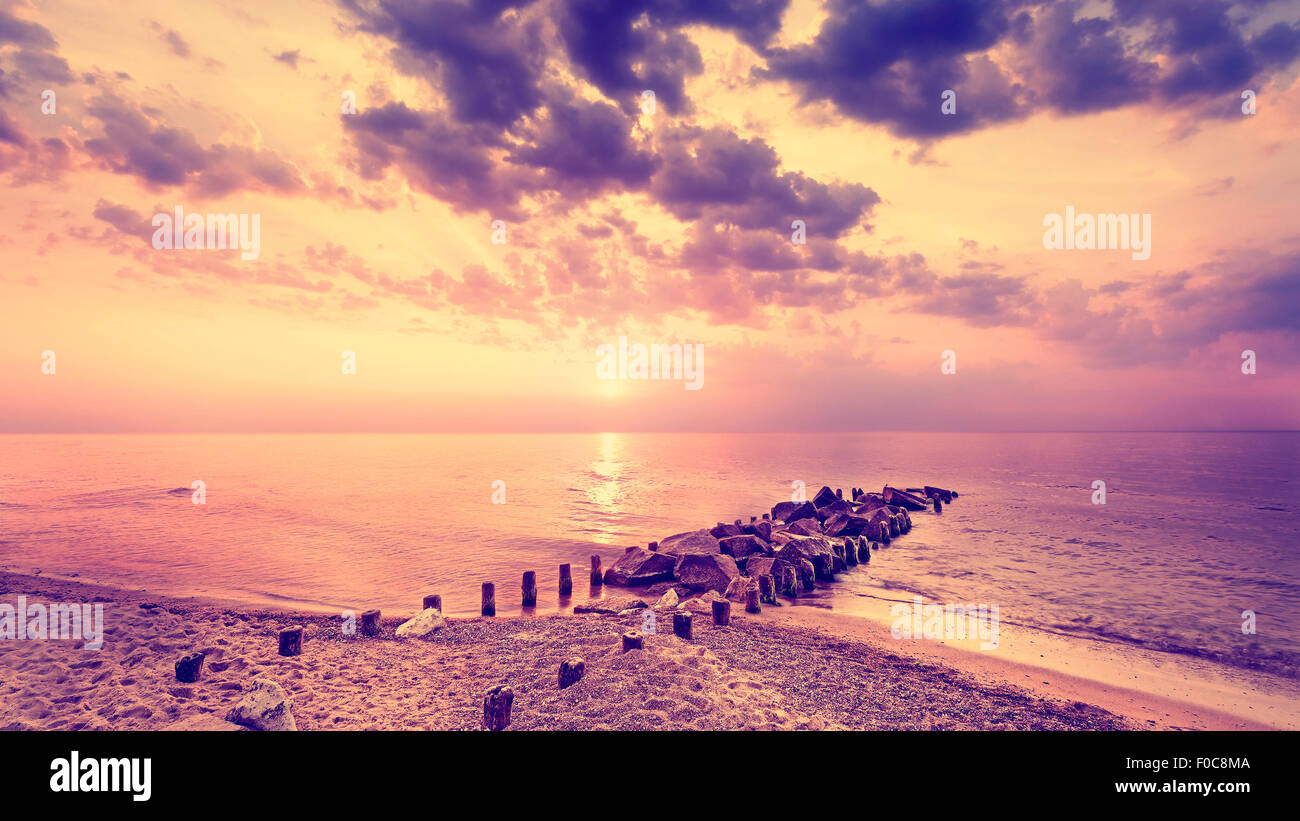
(824, 512)
(422, 625)
(724, 530)
(824, 497)
(806, 548)
(738, 586)
(805, 527)
(760, 565)
(697, 542)
(793, 511)
(700, 572)
(848, 524)
(265, 706)
(640, 566)
(740, 547)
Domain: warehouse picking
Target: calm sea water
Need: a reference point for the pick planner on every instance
(1196, 528)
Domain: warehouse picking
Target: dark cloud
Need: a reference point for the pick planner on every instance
(173, 39)
(289, 58)
(136, 144)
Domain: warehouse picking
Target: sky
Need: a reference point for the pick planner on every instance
(459, 203)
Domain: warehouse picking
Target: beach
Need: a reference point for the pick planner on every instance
(762, 672)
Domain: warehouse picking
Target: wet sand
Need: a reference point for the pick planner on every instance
(762, 672)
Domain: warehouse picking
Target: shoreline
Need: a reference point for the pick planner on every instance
(762, 672)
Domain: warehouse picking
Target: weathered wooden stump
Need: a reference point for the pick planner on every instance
(766, 588)
(571, 672)
(938, 504)
(370, 623)
(789, 582)
(751, 601)
(737, 523)
(597, 575)
(893, 526)
(884, 534)
(838, 563)
(433, 601)
(722, 612)
(489, 599)
(767, 517)
(807, 573)
(190, 668)
(530, 588)
(566, 580)
(839, 493)
(864, 550)
(496, 707)
(632, 641)
(291, 641)
(753, 520)
(653, 547)
(823, 568)
(682, 625)
(850, 551)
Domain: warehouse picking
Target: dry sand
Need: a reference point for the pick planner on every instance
(759, 673)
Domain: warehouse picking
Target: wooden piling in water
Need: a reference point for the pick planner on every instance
(789, 582)
(938, 504)
(566, 580)
(291, 641)
(721, 612)
(597, 575)
(751, 601)
(530, 589)
(864, 550)
(766, 588)
(489, 599)
(434, 601)
(807, 575)
(496, 707)
(850, 551)
(370, 623)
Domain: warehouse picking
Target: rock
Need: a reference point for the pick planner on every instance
(763, 530)
(739, 547)
(713, 572)
(848, 524)
(697, 542)
(894, 496)
(668, 599)
(808, 548)
(422, 625)
(764, 564)
(794, 511)
(265, 706)
(824, 512)
(723, 530)
(738, 587)
(572, 671)
(639, 566)
(931, 492)
(805, 527)
(610, 605)
(824, 497)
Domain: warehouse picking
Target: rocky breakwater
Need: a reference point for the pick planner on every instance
(789, 551)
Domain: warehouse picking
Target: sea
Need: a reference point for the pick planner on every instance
(1192, 549)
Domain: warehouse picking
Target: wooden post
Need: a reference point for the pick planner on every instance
(822, 568)
(850, 551)
(291, 641)
(432, 601)
(190, 668)
(496, 707)
(737, 523)
(839, 493)
(682, 625)
(489, 599)
(893, 526)
(571, 672)
(653, 547)
(566, 580)
(766, 588)
(530, 588)
(864, 550)
(597, 575)
(789, 581)
(370, 623)
(751, 601)
(632, 641)
(938, 504)
(753, 520)
(721, 612)
(807, 573)
(767, 517)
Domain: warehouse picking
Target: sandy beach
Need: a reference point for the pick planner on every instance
(762, 672)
